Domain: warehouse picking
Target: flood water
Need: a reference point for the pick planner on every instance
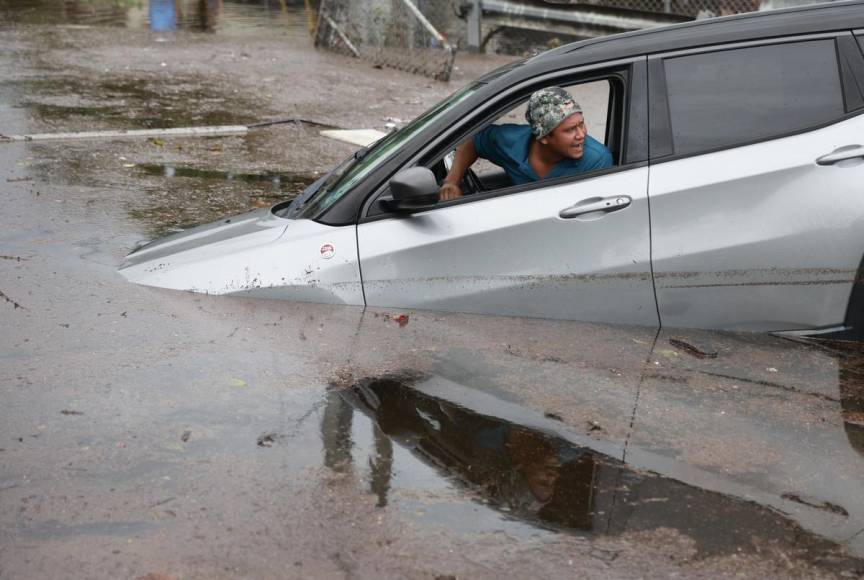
(155, 434)
(229, 17)
(538, 477)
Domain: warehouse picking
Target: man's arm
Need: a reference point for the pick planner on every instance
(466, 155)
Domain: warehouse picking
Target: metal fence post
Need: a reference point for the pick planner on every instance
(475, 34)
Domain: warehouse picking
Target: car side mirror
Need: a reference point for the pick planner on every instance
(414, 189)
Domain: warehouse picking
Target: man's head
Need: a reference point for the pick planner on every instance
(556, 121)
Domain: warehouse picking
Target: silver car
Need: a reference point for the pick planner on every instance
(736, 199)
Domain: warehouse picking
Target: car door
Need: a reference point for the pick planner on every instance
(577, 249)
(757, 166)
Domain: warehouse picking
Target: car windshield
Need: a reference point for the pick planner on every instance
(352, 170)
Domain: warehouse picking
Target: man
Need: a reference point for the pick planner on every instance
(555, 143)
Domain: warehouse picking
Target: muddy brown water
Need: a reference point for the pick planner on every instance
(541, 478)
(145, 431)
(223, 17)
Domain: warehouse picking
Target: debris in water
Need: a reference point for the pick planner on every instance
(691, 349)
(603, 554)
(400, 319)
(10, 301)
(854, 417)
(819, 505)
(186, 435)
(71, 412)
(594, 426)
(771, 370)
(342, 379)
(17, 179)
(554, 416)
(267, 439)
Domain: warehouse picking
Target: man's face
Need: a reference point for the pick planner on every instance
(568, 138)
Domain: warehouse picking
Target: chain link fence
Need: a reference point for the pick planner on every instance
(420, 36)
(399, 34)
(690, 8)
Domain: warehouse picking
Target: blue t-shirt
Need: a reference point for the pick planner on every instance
(507, 147)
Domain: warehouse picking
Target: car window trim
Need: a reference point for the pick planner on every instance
(492, 108)
(749, 44)
(851, 63)
(662, 142)
(636, 116)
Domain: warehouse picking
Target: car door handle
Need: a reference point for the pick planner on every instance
(842, 154)
(596, 204)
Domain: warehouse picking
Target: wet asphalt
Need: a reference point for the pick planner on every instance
(149, 432)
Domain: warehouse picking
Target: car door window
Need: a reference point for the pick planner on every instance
(731, 97)
(593, 98)
(607, 100)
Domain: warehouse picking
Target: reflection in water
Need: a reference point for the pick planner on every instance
(284, 183)
(168, 15)
(163, 15)
(192, 196)
(851, 358)
(545, 480)
(209, 12)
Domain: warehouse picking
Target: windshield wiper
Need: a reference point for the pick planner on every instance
(342, 170)
(360, 153)
(333, 178)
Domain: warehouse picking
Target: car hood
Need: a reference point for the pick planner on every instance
(259, 225)
(256, 254)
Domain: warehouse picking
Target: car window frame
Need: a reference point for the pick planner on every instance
(633, 127)
(661, 140)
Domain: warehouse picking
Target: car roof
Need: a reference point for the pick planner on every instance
(812, 19)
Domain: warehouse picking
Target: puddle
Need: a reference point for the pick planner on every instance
(66, 103)
(200, 185)
(277, 184)
(214, 16)
(58, 99)
(188, 196)
(538, 477)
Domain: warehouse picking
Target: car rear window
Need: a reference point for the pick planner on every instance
(720, 99)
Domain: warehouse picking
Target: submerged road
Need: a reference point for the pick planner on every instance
(155, 434)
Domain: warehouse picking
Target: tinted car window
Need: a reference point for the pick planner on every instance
(737, 96)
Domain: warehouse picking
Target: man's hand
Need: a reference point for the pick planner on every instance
(449, 191)
(466, 154)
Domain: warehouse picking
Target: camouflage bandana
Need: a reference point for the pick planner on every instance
(547, 108)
